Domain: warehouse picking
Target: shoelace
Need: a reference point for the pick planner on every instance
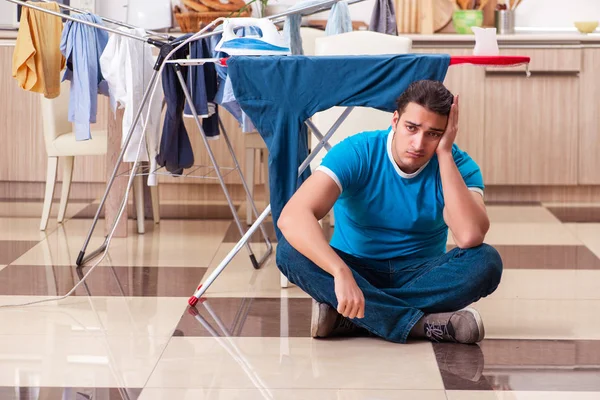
(345, 324)
(436, 332)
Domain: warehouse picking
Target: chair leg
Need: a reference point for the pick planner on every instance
(50, 184)
(265, 164)
(155, 204)
(283, 281)
(66, 186)
(138, 189)
(249, 175)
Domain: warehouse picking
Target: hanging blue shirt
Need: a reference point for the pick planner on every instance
(383, 212)
(279, 93)
(82, 45)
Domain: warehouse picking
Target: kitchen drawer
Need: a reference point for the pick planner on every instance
(548, 60)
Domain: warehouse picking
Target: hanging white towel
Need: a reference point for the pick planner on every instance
(127, 65)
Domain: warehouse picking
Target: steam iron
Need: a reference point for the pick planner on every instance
(265, 41)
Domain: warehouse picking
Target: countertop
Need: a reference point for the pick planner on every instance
(559, 38)
(516, 38)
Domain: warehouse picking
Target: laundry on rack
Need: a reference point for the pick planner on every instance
(339, 20)
(175, 151)
(37, 60)
(225, 96)
(127, 65)
(383, 17)
(291, 28)
(281, 93)
(203, 85)
(291, 31)
(82, 45)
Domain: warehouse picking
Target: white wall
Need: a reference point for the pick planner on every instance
(556, 13)
(530, 14)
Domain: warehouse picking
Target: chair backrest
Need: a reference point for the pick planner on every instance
(361, 118)
(309, 37)
(55, 114)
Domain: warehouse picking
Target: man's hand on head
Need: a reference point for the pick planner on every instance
(449, 136)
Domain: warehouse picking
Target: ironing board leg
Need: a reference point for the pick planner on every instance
(81, 259)
(315, 131)
(203, 287)
(245, 237)
(236, 218)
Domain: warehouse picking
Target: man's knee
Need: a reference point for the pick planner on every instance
(487, 266)
(284, 254)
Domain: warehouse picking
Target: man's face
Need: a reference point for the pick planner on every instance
(417, 134)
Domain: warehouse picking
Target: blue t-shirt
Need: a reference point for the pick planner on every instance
(382, 212)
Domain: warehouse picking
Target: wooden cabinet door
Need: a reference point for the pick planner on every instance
(589, 124)
(531, 128)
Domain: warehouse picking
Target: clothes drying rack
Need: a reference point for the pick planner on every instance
(167, 43)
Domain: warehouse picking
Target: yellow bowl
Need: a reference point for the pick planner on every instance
(586, 26)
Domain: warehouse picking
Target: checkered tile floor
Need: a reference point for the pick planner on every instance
(128, 333)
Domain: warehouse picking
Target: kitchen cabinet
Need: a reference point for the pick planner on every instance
(531, 129)
(589, 119)
(532, 124)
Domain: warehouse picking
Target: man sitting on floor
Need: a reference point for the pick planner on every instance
(395, 193)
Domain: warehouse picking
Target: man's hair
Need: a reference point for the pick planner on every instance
(432, 95)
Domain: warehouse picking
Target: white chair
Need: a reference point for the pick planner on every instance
(61, 144)
(361, 118)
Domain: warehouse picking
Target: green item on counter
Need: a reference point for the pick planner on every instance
(463, 20)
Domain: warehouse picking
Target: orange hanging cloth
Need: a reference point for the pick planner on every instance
(37, 59)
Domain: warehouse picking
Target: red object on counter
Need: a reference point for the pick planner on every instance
(490, 60)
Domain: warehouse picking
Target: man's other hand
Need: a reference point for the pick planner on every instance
(351, 301)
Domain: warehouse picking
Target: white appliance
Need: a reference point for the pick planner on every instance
(10, 13)
(114, 9)
(155, 14)
(147, 14)
(88, 5)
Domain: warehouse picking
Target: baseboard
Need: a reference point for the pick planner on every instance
(93, 191)
(564, 194)
(213, 192)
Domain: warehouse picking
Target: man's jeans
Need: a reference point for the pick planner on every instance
(398, 292)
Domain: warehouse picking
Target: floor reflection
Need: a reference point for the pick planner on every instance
(521, 365)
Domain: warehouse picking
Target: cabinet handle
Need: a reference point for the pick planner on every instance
(532, 73)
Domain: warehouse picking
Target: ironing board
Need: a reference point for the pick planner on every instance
(383, 104)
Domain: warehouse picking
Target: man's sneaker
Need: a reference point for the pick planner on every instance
(464, 326)
(326, 321)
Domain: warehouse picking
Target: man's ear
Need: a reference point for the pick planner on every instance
(395, 118)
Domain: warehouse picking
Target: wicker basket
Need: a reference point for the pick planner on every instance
(193, 21)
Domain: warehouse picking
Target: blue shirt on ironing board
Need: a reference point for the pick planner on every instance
(382, 212)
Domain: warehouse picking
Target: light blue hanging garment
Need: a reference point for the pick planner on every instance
(291, 31)
(339, 20)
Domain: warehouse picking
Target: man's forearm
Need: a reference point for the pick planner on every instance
(302, 230)
(466, 218)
